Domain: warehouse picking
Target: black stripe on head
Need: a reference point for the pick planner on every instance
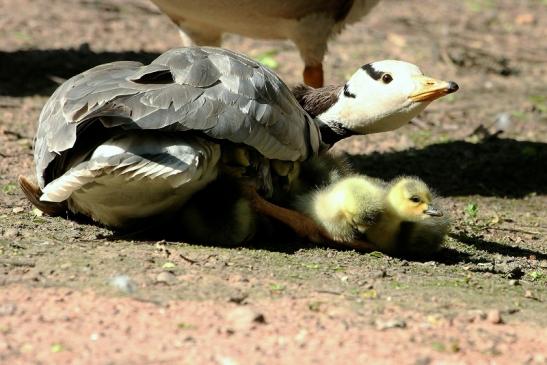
(348, 93)
(371, 71)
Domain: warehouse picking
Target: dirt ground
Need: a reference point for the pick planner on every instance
(74, 293)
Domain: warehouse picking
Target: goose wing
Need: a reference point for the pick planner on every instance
(217, 92)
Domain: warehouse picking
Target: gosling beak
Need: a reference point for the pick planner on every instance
(430, 89)
(433, 211)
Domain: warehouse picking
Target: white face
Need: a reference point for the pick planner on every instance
(377, 98)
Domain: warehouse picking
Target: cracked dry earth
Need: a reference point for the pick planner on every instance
(75, 293)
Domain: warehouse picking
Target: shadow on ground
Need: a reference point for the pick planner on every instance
(494, 167)
(497, 248)
(32, 72)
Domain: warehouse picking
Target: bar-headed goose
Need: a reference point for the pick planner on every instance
(123, 141)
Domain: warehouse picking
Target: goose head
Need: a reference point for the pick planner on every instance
(379, 97)
(411, 200)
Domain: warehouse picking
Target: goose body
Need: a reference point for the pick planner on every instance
(309, 24)
(123, 141)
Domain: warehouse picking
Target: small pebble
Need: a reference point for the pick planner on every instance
(494, 317)
(8, 309)
(393, 323)
(503, 121)
(380, 274)
(225, 360)
(166, 277)
(476, 315)
(18, 210)
(244, 318)
(514, 282)
(123, 283)
(301, 337)
(11, 233)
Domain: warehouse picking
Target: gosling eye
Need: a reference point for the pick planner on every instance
(387, 78)
(415, 199)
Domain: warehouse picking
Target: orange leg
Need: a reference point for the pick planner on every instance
(313, 75)
(301, 224)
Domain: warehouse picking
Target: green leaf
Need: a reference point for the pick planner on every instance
(56, 347)
(376, 254)
(168, 265)
(471, 210)
(268, 59)
(9, 188)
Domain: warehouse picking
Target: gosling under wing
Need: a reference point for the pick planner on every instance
(214, 91)
(423, 237)
(135, 177)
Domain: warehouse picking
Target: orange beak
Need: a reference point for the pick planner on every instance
(431, 89)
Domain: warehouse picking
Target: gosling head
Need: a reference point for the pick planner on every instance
(379, 97)
(411, 199)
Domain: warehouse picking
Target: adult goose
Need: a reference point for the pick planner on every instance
(124, 142)
(309, 24)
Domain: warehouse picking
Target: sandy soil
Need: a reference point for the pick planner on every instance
(74, 293)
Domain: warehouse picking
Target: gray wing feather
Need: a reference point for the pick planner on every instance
(216, 91)
(128, 165)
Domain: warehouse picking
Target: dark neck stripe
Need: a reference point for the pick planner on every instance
(371, 71)
(348, 93)
(332, 132)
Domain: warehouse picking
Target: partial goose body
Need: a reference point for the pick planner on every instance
(124, 141)
(309, 24)
(135, 176)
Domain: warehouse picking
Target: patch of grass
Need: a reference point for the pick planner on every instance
(276, 287)
(56, 347)
(376, 254)
(9, 188)
(438, 346)
(478, 6)
(185, 326)
(398, 285)
(268, 59)
(314, 306)
(369, 294)
(518, 114)
(168, 265)
(536, 275)
(539, 102)
(23, 36)
(472, 210)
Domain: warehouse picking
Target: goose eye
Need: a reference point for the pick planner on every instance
(415, 199)
(387, 78)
